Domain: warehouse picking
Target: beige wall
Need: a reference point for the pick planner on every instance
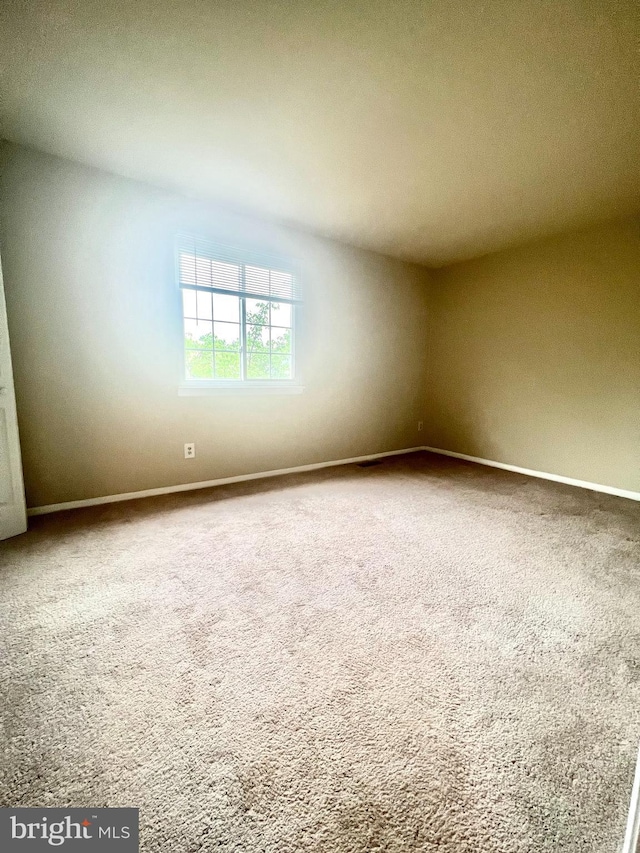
(535, 356)
(530, 356)
(94, 324)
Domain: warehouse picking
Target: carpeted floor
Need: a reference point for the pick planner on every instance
(415, 656)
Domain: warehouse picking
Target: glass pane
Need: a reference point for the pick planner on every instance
(204, 305)
(198, 334)
(280, 339)
(226, 308)
(199, 364)
(257, 311)
(227, 335)
(280, 314)
(189, 303)
(281, 367)
(258, 338)
(257, 365)
(257, 278)
(227, 365)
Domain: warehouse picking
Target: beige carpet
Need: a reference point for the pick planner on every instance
(419, 655)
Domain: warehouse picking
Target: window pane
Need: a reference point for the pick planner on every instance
(204, 305)
(257, 366)
(280, 366)
(257, 277)
(258, 338)
(257, 311)
(226, 308)
(227, 365)
(227, 335)
(280, 314)
(280, 339)
(198, 334)
(212, 323)
(189, 303)
(199, 364)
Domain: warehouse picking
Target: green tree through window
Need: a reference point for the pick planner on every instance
(268, 335)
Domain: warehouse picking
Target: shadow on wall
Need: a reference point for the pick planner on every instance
(534, 356)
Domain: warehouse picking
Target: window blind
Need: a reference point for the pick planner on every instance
(203, 265)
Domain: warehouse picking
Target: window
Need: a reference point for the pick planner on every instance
(238, 316)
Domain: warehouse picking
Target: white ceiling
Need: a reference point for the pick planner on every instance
(433, 131)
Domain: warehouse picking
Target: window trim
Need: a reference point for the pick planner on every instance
(221, 387)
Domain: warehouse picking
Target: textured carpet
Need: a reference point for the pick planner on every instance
(419, 655)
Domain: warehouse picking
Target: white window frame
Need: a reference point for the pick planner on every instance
(213, 387)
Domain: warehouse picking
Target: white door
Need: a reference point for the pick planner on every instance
(13, 513)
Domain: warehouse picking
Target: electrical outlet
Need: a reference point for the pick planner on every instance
(420, 426)
(189, 451)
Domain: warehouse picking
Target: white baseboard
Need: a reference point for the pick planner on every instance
(557, 478)
(205, 484)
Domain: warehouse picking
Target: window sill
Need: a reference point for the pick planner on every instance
(216, 389)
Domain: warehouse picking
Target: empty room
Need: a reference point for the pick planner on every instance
(320, 426)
